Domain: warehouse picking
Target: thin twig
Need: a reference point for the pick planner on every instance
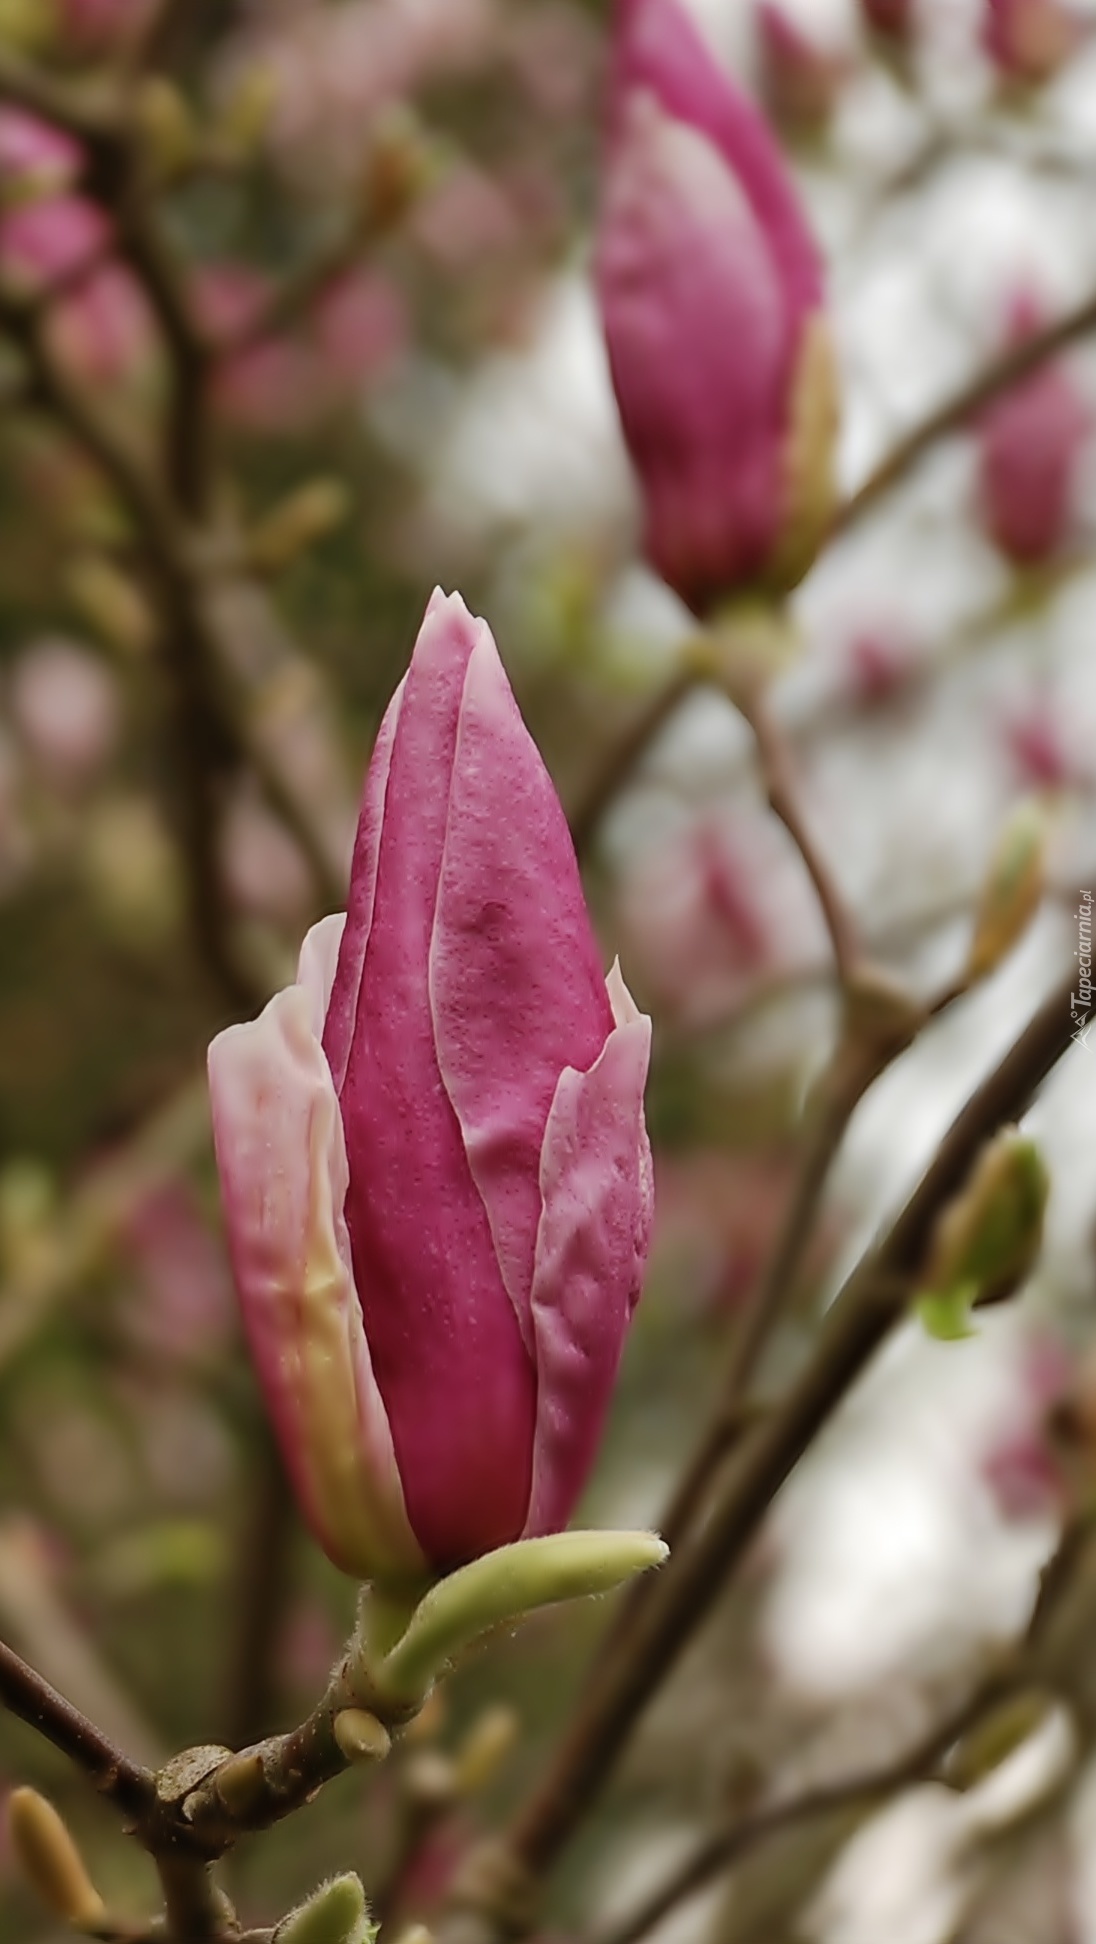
(956, 411)
(715, 1853)
(24, 1692)
(622, 760)
(778, 773)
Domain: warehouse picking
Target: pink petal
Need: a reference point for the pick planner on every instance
(695, 325)
(596, 1182)
(516, 987)
(457, 1383)
(282, 1163)
(342, 1009)
(659, 49)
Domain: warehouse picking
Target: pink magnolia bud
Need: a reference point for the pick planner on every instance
(800, 79)
(95, 26)
(435, 1173)
(1031, 443)
(64, 703)
(711, 299)
(1029, 40)
(34, 152)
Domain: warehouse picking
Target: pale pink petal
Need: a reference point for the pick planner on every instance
(516, 987)
(283, 1170)
(597, 1190)
(316, 966)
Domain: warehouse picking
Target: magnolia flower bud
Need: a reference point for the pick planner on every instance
(51, 1860)
(1031, 441)
(436, 1179)
(800, 79)
(987, 1241)
(1029, 40)
(711, 298)
(1012, 891)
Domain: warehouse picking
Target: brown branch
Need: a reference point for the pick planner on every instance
(778, 773)
(869, 1305)
(716, 1853)
(24, 1693)
(622, 760)
(955, 412)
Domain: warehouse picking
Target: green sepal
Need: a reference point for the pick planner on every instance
(946, 1313)
(495, 1590)
(336, 1913)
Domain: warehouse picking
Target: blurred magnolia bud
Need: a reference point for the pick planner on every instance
(247, 107)
(484, 1748)
(891, 18)
(297, 522)
(96, 26)
(879, 665)
(800, 79)
(987, 1240)
(1029, 40)
(336, 1913)
(103, 330)
(133, 871)
(35, 157)
(51, 1861)
(1030, 445)
(64, 704)
(166, 126)
(111, 602)
(265, 872)
(1036, 740)
(28, 1197)
(1012, 890)
(401, 164)
(361, 1737)
(710, 291)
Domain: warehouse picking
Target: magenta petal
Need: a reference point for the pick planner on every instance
(695, 324)
(659, 49)
(282, 1163)
(515, 980)
(456, 1380)
(598, 1200)
(342, 1006)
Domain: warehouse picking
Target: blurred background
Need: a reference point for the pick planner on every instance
(383, 209)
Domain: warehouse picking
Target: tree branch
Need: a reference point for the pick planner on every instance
(871, 1302)
(952, 416)
(24, 1692)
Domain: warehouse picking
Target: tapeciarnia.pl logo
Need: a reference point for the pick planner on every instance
(1080, 1002)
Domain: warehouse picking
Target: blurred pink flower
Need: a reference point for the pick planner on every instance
(800, 78)
(94, 26)
(30, 147)
(1030, 445)
(710, 289)
(879, 663)
(467, 216)
(1020, 1466)
(64, 704)
(552, 52)
(51, 239)
(1037, 743)
(184, 1310)
(264, 871)
(706, 914)
(718, 1216)
(333, 68)
(355, 332)
(1029, 40)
